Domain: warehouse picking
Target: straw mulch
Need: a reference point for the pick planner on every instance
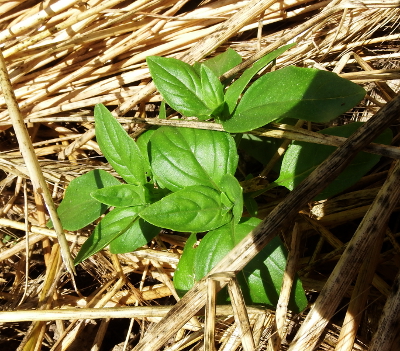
(65, 56)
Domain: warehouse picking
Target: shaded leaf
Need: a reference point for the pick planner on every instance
(110, 227)
(137, 235)
(184, 273)
(260, 280)
(78, 208)
(261, 148)
(251, 205)
(302, 158)
(122, 195)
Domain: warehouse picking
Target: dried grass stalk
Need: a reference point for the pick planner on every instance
(34, 170)
(367, 233)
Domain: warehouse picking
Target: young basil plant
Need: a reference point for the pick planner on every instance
(170, 185)
(183, 179)
(190, 187)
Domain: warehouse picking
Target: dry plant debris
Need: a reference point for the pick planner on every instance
(65, 56)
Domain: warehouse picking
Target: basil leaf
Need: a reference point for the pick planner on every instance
(251, 205)
(294, 92)
(110, 227)
(78, 208)
(261, 148)
(122, 195)
(236, 89)
(182, 157)
(163, 111)
(261, 279)
(184, 273)
(118, 148)
(192, 209)
(302, 158)
(137, 235)
(231, 187)
(221, 63)
(142, 143)
(179, 84)
(212, 89)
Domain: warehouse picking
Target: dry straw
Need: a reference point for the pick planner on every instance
(63, 57)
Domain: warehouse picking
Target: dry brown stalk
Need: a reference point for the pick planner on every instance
(349, 263)
(344, 202)
(66, 24)
(75, 328)
(240, 313)
(378, 282)
(384, 338)
(359, 298)
(111, 312)
(284, 296)
(35, 336)
(372, 75)
(97, 61)
(209, 325)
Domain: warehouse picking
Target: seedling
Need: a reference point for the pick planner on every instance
(184, 180)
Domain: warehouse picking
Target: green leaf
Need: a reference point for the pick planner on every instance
(264, 274)
(294, 92)
(142, 143)
(163, 112)
(110, 227)
(122, 195)
(251, 205)
(222, 63)
(302, 158)
(118, 148)
(184, 273)
(236, 89)
(212, 89)
(155, 194)
(261, 279)
(78, 208)
(137, 235)
(182, 157)
(179, 84)
(231, 187)
(192, 209)
(261, 148)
